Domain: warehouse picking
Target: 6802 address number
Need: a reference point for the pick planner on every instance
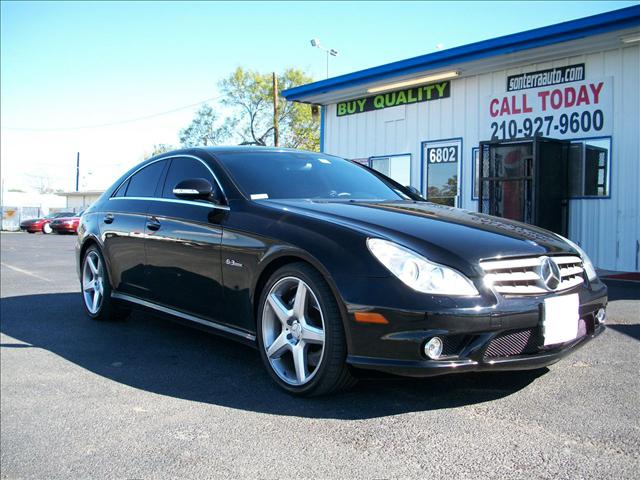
(443, 154)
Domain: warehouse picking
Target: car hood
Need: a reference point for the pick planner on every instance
(30, 221)
(64, 219)
(452, 236)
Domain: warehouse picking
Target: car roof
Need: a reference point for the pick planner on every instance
(250, 149)
(232, 149)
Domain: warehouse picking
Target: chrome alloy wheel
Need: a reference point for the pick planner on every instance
(293, 331)
(93, 282)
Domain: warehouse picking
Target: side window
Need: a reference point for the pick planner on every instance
(143, 183)
(184, 168)
(122, 190)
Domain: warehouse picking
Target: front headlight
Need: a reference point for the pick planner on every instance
(419, 273)
(586, 261)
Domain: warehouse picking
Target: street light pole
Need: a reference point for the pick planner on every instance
(330, 51)
(327, 63)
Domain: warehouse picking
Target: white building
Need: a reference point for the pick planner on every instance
(577, 84)
(80, 200)
(18, 206)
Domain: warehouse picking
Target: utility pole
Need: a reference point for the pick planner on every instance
(276, 132)
(78, 171)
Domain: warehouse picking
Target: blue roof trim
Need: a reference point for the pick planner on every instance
(539, 37)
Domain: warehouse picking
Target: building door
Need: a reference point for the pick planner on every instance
(441, 170)
(526, 180)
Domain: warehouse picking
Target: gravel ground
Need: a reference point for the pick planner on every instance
(147, 398)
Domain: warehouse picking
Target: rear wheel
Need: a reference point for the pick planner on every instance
(46, 228)
(300, 332)
(96, 288)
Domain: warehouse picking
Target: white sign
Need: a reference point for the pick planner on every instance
(576, 110)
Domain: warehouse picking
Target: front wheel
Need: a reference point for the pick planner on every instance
(300, 333)
(96, 289)
(46, 229)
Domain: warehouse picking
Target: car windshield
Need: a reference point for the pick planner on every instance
(297, 175)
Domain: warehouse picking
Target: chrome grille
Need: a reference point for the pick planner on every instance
(521, 276)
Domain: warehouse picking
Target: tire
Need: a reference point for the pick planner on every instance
(303, 348)
(94, 279)
(46, 229)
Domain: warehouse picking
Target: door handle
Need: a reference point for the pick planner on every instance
(153, 224)
(108, 218)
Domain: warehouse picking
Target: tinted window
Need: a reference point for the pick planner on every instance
(183, 169)
(304, 175)
(122, 190)
(143, 183)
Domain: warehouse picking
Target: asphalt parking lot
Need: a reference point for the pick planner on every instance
(147, 398)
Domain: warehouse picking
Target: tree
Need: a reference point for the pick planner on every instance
(42, 183)
(159, 148)
(203, 130)
(249, 96)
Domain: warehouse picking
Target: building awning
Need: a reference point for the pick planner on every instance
(576, 37)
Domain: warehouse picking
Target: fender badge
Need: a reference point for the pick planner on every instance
(233, 263)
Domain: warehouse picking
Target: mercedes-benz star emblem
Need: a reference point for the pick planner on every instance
(549, 273)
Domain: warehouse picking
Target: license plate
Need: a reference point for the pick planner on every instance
(560, 319)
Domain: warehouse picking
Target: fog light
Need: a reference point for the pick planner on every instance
(433, 348)
(601, 316)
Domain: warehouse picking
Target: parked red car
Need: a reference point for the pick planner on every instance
(43, 224)
(66, 224)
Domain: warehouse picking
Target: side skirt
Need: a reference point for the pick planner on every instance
(208, 325)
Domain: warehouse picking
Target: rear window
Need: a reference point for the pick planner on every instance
(122, 189)
(145, 181)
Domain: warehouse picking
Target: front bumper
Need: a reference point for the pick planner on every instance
(487, 333)
(470, 361)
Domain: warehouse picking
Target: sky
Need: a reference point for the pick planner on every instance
(67, 67)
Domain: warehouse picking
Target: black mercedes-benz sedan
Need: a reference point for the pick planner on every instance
(327, 266)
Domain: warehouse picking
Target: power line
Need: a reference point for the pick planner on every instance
(120, 122)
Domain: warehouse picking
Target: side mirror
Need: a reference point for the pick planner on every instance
(193, 189)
